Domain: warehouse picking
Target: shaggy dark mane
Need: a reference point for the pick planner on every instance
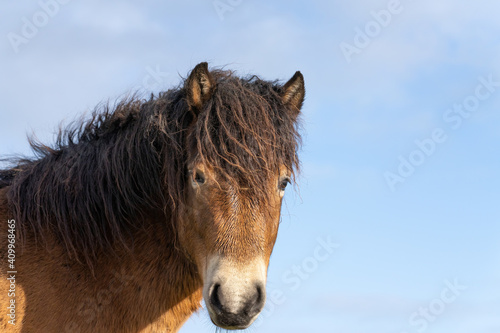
(91, 188)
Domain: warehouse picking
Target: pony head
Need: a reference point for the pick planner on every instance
(241, 155)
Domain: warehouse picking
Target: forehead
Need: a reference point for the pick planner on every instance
(235, 180)
(243, 134)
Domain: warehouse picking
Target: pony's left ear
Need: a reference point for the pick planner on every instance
(200, 86)
(294, 92)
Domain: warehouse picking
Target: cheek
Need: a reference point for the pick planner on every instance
(198, 209)
(195, 239)
(191, 228)
(272, 226)
(202, 227)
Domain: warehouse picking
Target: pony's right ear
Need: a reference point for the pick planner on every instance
(199, 86)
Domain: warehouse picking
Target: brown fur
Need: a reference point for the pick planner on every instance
(110, 235)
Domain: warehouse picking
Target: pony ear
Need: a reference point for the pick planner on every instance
(199, 86)
(294, 92)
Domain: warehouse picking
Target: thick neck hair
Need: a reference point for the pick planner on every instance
(105, 175)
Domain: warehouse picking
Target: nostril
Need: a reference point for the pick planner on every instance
(215, 299)
(255, 304)
(259, 295)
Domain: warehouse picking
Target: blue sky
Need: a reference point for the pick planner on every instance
(422, 255)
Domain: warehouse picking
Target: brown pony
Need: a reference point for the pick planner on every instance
(133, 217)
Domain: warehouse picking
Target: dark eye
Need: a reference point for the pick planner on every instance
(197, 177)
(283, 182)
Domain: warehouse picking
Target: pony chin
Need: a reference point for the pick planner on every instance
(234, 291)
